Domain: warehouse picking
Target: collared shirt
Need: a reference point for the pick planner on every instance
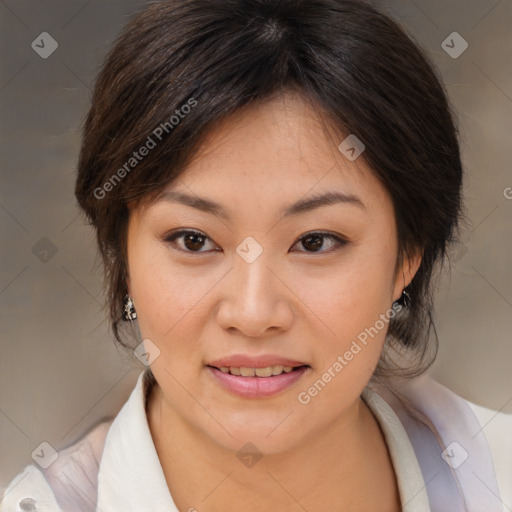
(129, 476)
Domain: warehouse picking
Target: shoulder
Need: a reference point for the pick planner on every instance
(497, 429)
(462, 419)
(69, 483)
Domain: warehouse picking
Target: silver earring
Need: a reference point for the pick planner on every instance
(129, 312)
(405, 299)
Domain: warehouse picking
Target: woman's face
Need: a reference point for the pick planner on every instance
(259, 286)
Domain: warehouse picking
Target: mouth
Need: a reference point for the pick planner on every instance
(258, 381)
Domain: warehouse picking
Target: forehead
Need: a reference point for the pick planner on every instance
(276, 152)
(282, 137)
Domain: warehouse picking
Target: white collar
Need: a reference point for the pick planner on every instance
(413, 492)
(131, 476)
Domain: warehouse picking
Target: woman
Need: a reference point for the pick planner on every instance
(274, 186)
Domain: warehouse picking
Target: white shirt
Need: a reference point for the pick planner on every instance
(130, 476)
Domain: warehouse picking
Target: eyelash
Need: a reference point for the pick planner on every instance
(339, 241)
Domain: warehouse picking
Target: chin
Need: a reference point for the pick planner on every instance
(267, 437)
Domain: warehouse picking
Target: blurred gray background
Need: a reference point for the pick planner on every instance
(60, 371)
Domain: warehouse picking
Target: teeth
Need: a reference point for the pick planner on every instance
(263, 372)
(247, 372)
(276, 370)
(258, 372)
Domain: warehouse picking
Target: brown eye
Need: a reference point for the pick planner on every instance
(314, 242)
(192, 241)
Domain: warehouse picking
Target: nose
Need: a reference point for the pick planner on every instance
(255, 299)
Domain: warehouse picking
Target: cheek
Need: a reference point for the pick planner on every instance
(358, 290)
(353, 305)
(345, 362)
(163, 292)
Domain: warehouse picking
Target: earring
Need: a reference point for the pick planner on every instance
(405, 299)
(129, 312)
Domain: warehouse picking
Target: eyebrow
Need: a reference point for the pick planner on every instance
(297, 208)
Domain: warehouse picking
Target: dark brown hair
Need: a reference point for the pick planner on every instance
(181, 66)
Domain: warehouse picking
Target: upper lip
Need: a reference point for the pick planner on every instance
(262, 361)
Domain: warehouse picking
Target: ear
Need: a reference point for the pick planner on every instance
(128, 286)
(406, 272)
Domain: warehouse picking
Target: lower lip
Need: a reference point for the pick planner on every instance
(257, 387)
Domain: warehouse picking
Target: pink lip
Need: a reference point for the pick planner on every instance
(241, 360)
(257, 387)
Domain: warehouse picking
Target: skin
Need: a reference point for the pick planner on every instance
(292, 300)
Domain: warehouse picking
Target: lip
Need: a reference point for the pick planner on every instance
(257, 387)
(262, 361)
